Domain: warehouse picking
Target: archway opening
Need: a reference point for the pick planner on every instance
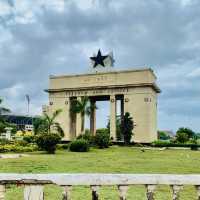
(102, 115)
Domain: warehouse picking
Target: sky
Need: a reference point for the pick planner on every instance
(39, 38)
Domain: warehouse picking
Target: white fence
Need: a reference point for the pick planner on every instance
(34, 183)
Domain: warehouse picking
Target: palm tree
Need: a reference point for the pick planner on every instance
(2, 109)
(50, 122)
(39, 125)
(83, 108)
(3, 123)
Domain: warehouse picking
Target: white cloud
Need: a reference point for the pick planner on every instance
(40, 37)
(5, 9)
(195, 73)
(186, 2)
(14, 91)
(87, 4)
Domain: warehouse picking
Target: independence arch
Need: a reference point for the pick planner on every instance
(136, 89)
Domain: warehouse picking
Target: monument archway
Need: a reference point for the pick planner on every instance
(136, 89)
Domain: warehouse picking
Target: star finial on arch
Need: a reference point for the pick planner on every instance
(98, 59)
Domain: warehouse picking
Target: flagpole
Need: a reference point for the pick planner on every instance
(28, 102)
(28, 108)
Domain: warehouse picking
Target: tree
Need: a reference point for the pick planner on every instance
(197, 135)
(3, 123)
(40, 125)
(3, 109)
(83, 108)
(46, 139)
(163, 135)
(182, 137)
(45, 124)
(127, 127)
(51, 123)
(190, 133)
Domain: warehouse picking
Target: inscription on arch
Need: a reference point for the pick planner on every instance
(97, 92)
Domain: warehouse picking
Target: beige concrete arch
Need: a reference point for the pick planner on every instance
(136, 89)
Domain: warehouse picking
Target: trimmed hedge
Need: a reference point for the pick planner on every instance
(194, 147)
(160, 143)
(79, 145)
(48, 142)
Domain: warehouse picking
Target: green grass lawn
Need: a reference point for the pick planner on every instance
(112, 160)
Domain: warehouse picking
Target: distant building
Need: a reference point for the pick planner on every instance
(23, 122)
(29, 127)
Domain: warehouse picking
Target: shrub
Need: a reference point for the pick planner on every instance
(21, 149)
(88, 137)
(48, 142)
(161, 143)
(102, 138)
(3, 149)
(17, 148)
(194, 144)
(79, 145)
(194, 147)
(4, 141)
(22, 143)
(29, 138)
(62, 146)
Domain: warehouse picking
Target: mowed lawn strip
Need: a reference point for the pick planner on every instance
(112, 160)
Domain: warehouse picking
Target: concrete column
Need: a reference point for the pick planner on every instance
(72, 120)
(78, 121)
(93, 117)
(113, 117)
(64, 117)
(122, 108)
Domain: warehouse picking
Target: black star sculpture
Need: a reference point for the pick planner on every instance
(98, 60)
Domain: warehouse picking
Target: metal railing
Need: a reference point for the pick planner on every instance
(34, 183)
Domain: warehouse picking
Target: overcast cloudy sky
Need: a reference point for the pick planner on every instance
(43, 37)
